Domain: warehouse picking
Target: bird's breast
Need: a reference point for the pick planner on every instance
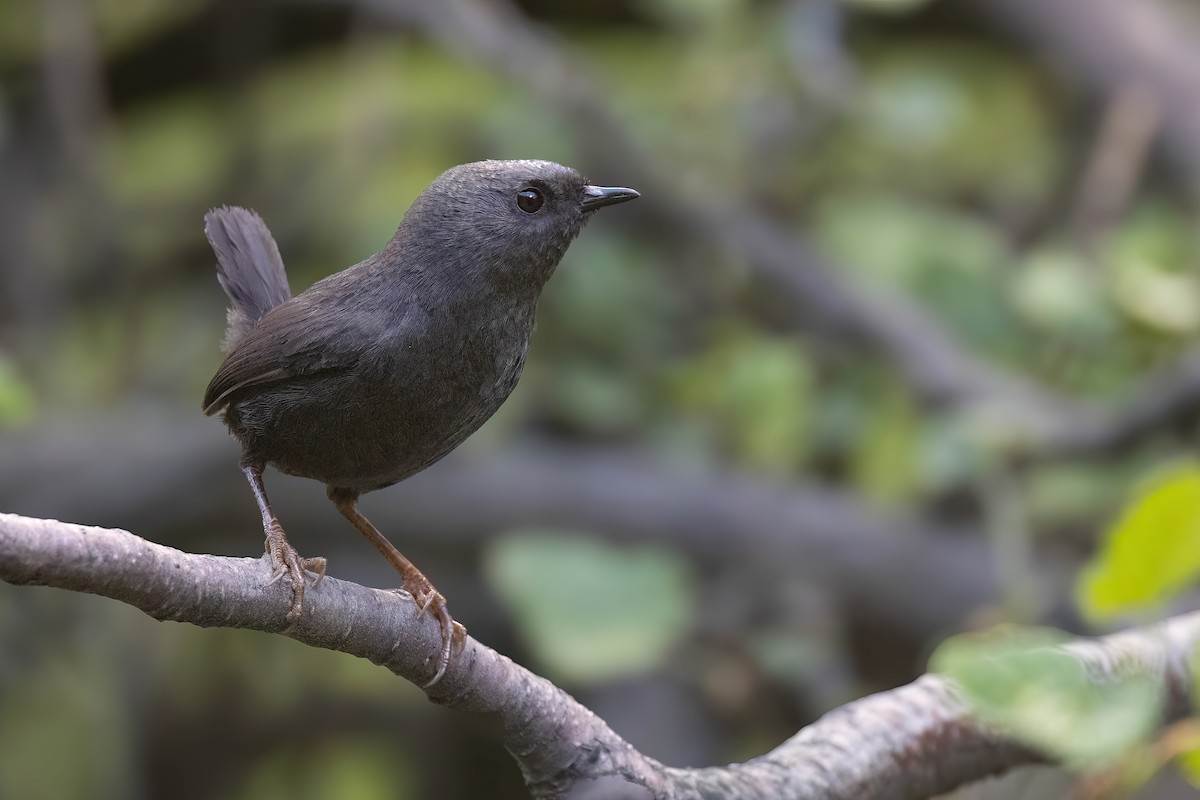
(407, 402)
(444, 389)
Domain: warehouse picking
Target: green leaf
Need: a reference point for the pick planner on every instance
(1021, 681)
(591, 611)
(1153, 551)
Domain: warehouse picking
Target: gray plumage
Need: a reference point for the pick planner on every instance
(374, 373)
(378, 371)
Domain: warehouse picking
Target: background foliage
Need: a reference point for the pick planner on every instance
(925, 150)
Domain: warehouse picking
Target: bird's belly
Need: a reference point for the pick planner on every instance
(366, 433)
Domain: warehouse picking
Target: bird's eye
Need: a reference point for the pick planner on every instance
(529, 200)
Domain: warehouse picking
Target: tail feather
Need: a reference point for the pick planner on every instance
(249, 268)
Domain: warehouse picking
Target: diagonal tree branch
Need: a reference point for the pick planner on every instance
(911, 742)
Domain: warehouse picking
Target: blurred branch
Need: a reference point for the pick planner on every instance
(74, 93)
(77, 111)
(53, 167)
(1116, 164)
(1166, 398)
(1111, 46)
(912, 742)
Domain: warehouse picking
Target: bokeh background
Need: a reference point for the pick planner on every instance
(908, 306)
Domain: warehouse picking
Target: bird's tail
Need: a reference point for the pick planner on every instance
(248, 267)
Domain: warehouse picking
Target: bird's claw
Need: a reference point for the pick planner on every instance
(425, 599)
(435, 604)
(430, 600)
(286, 561)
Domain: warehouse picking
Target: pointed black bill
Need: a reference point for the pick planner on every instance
(599, 196)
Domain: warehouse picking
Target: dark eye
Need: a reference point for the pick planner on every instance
(529, 200)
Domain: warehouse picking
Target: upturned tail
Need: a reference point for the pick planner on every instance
(249, 268)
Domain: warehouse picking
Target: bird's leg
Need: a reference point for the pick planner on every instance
(415, 583)
(284, 558)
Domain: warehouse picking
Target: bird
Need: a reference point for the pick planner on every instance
(376, 372)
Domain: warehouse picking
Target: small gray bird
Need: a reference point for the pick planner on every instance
(376, 372)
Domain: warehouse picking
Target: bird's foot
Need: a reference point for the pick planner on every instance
(286, 561)
(430, 601)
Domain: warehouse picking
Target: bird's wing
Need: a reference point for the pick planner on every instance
(295, 339)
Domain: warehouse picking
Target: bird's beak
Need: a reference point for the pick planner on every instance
(599, 196)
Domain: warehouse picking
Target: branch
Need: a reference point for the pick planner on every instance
(911, 742)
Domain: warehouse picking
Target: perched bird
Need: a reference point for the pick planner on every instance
(378, 371)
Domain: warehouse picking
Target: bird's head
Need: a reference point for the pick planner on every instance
(504, 223)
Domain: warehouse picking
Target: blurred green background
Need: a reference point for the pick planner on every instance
(907, 310)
